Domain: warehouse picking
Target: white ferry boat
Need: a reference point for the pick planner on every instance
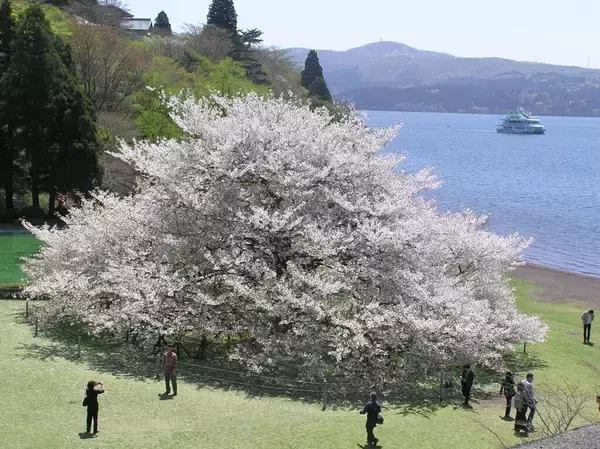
(521, 123)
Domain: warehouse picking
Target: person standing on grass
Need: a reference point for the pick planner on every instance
(91, 402)
(531, 402)
(372, 410)
(508, 388)
(466, 382)
(170, 369)
(587, 319)
(521, 404)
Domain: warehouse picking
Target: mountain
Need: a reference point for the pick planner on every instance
(394, 76)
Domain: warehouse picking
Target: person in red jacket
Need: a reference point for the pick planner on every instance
(170, 369)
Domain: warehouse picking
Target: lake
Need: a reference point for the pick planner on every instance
(543, 186)
(546, 187)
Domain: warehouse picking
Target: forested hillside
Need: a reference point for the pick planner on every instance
(394, 76)
(123, 76)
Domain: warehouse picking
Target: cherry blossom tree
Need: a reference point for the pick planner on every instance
(288, 227)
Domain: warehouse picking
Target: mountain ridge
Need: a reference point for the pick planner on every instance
(422, 80)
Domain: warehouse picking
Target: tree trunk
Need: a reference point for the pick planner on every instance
(35, 181)
(203, 346)
(8, 190)
(52, 202)
(9, 175)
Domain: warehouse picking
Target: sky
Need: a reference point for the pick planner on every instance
(553, 31)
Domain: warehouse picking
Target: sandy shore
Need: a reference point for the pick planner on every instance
(561, 286)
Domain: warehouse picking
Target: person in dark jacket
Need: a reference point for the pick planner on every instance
(521, 406)
(91, 400)
(466, 382)
(508, 389)
(372, 410)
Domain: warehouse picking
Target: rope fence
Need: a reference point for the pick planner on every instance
(449, 384)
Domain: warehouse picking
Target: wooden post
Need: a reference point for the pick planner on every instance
(79, 347)
(203, 345)
(158, 363)
(525, 348)
(324, 396)
(178, 350)
(441, 386)
(36, 327)
(26, 308)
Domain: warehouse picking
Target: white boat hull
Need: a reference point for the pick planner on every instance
(520, 131)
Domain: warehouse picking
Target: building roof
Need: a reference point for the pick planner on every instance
(136, 24)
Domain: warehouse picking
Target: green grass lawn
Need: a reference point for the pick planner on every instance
(41, 402)
(14, 246)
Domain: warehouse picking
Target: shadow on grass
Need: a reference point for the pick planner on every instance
(107, 354)
(87, 436)
(370, 446)
(126, 364)
(519, 362)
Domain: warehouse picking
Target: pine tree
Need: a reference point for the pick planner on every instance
(222, 14)
(312, 70)
(54, 121)
(7, 155)
(162, 24)
(318, 89)
(245, 54)
(73, 157)
(313, 80)
(29, 83)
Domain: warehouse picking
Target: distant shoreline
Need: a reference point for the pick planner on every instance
(561, 286)
(499, 114)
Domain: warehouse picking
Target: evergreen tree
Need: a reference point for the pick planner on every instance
(244, 53)
(162, 23)
(222, 14)
(72, 160)
(312, 70)
(250, 37)
(313, 80)
(54, 122)
(29, 86)
(7, 155)
(318, 89)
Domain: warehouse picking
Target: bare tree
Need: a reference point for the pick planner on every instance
(561, 406)
(501, 442)
(104, 12)
(164, 46)
(110, 67)
(283, 77)
(115, 3)
(209, 41)
(118, 176)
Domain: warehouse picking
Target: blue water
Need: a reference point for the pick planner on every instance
(546, 187)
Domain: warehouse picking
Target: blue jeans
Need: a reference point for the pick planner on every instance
(531, 413)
